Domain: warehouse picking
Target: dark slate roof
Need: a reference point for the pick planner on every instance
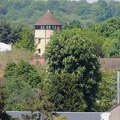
(69, 115)
(48, 19)
(18, 114)
(81, 115)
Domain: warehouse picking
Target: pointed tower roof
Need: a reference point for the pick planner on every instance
(48, 19)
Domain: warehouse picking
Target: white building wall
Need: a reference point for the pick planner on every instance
(5, 47)
(105, 116)
(43, 33)
(42, 37)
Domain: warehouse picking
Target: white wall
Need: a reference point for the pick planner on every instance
(105, 116)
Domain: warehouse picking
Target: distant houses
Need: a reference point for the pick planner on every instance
(5, 47)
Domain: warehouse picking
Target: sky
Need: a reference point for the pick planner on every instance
(90, 1)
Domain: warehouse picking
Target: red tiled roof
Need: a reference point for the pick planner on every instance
(48, 19)
(38, 60)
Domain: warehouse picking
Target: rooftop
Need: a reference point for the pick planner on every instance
(48, 19)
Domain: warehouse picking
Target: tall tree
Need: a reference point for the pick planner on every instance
(66, 93)
(2, 97)
(5, 31)
(111, 48)
(24, 71)
(8, 32)
(72, 25)
(16, 55)
(70, 52)
(26, 40)
(106, 96)
(108, 27)
(25, 90)
(3, 94)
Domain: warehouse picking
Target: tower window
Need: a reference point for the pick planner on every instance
(39, 50)
(53, 27)
(38, 27)
(39, 40)
(49, 27)
(43, 27)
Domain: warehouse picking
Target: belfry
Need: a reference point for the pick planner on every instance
(44, 28)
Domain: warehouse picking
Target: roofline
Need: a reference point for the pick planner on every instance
(48, 19)
(47, 25)
(113, 107)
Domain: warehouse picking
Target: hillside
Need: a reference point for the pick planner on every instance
(28, 11)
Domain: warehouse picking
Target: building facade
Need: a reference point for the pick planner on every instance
(44, 28)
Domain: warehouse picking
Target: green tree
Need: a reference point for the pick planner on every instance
(40, 102)
(2, 97)
(111, 48)
(9, 33)
(65, 92)
(96, 40)
(25, 91)
(106, 96)
(16, 29)
(9, 69)
(24, 71)
(3, 94)
(16, 55)
(108, 27)
(5, 31)
(72, 25)
(70, 52)
(17, 92)
(26, 40)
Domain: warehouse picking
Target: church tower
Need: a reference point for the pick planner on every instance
(44, 28)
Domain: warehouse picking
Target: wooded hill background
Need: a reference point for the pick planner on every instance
(26, 12)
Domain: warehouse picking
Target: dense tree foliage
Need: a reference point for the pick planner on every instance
(106, 97)
(72, 25)
(24, 71)
(66, 93)
(28, 11)
(5, 32)
(26, 40)
(72, 78)
(65, 56)
(111, 48)
(16, 55)
(3, 94)
(17, 35)
(25, 91)
(2, 97)
(110, 29)
(19, 82)
(96, 39)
